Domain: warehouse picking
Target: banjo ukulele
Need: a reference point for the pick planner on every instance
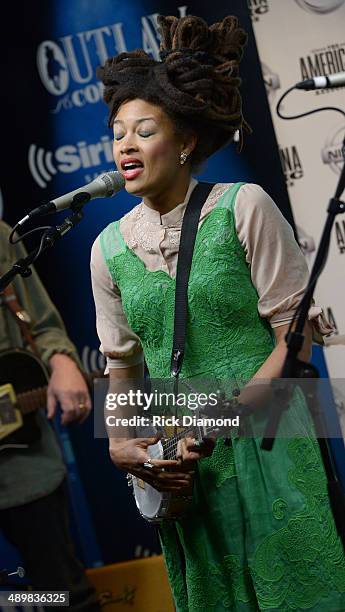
(156, 506)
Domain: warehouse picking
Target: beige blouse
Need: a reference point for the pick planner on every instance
(278, 269)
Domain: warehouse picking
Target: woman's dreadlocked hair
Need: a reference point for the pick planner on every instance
(196, 83)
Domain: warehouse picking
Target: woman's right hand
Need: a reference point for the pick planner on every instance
(165, 475)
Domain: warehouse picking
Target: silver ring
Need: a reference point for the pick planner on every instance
(148, 465)
(197, 444)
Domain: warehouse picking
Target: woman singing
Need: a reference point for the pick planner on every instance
(260, 534)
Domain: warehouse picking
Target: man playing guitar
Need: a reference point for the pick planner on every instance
(33, 499)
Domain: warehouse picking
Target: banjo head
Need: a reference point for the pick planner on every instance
(149, 501)
(155, 506)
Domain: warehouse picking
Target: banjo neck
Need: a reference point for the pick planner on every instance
(198, 432)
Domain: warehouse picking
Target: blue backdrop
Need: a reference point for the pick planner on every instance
(56, 139)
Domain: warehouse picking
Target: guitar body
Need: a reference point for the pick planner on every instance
(25, 372)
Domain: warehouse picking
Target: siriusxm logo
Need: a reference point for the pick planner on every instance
(332, 153)
(320, 7)
(68, 158)
(92, 360)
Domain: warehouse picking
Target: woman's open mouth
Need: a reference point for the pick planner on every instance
(132, 168)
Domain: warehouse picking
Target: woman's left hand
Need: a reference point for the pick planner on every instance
(190, 450)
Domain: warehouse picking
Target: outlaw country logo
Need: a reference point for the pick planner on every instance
(320, 7)
(67, 65)
(332, 153)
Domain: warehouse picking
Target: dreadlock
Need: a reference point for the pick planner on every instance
(196, 82)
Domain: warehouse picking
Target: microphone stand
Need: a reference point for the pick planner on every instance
(50, 236)
(295, 368)
(5, 574)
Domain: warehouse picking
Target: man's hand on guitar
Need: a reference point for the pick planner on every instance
(68, 388)
(131, 455)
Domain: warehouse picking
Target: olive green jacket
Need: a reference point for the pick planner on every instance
(27, 475)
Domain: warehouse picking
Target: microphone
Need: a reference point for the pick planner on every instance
(106, 185)
(323, 82)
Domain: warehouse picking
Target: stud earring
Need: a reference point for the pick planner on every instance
(183, 158)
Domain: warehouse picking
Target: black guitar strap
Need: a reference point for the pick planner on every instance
(184, 264)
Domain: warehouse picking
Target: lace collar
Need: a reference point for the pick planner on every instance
(174, 217)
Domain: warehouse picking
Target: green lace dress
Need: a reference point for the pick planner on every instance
(260, 534)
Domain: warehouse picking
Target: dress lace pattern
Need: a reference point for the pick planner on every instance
(260, 534)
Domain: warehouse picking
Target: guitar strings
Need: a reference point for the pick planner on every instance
(170, 445)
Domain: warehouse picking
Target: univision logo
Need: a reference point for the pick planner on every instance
(321, 7)
(332, 153)
(68, 158)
